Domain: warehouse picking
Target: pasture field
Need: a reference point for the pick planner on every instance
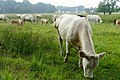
(31, 52)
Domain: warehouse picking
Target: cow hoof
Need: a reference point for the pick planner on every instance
(66, 60)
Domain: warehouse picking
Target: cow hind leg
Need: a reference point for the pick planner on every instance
(61, 43)
(67, 51)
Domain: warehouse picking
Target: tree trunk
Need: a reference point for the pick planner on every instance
(104, 13)
(110, 13)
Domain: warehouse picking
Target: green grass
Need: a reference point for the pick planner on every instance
(44, 61)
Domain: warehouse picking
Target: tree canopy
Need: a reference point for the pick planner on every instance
(107, 6)
(11, 6)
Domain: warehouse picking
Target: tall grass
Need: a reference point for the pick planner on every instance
(19, 40)
(31, 52)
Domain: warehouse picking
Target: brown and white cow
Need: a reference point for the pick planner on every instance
(117, 22)
(76, 31)
(19, 22)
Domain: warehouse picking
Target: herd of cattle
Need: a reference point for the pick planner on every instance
(22, 18)
(76, 31)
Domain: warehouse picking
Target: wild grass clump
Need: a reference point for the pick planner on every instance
(19, 40)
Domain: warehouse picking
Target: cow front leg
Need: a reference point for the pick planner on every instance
(80, 58)
(61, 43)
(80, 62)
(67, 51)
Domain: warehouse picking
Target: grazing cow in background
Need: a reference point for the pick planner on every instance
(19, 22)
(27, 17)
(54, 18)
(44, 21)
(76, 31)
(23, 16)
(117, 22)
(38, 15)
(31, 18)
(18, 16)
(94, 18)
(4, 18)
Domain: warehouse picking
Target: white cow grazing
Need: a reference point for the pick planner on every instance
(44, 21)
(76, 31)
(29, 17)
(94, 18)
(18, 15)
(4, 18)
(38, 15)
(54, 17)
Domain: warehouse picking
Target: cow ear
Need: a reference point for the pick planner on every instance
(101, 55)
(83, 55)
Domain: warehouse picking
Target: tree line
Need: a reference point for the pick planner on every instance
(76, 9)
(11, 6)
(105, 6)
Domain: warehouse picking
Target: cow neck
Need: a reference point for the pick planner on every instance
(87, 42)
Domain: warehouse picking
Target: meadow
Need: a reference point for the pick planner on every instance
(31, 52)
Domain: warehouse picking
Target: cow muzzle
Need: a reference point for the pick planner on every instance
(88, 73)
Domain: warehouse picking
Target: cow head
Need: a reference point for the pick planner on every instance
(100, 21)
(90, 62)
